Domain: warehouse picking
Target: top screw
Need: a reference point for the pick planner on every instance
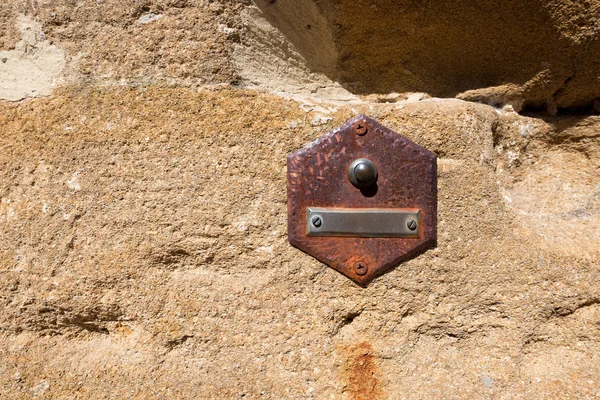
(317, 221)
(360, 128)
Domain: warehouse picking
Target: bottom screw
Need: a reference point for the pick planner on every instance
(360, 268)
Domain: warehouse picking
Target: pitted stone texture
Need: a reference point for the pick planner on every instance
(539, 54)
(140, 42)
(143, 253)
(33, 68)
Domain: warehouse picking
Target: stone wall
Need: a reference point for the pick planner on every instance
(143, 247)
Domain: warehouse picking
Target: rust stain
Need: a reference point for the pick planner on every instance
(123, 330)
(361, 373)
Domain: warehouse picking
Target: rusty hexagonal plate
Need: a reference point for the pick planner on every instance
(407, 182)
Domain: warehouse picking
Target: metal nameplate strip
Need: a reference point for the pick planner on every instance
(363, 222)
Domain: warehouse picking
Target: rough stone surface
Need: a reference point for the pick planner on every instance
(9, 35)
(33, 67)
(144, 252)
(265, 58)
(143, 248)
(538, 54)
(116, 41)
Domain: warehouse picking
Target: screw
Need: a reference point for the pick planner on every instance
(360, 128)
(411, 224)
(317, 221)
(360, 268)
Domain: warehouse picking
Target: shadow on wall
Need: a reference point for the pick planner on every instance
(538, 50)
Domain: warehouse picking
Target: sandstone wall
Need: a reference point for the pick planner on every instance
(143, 248)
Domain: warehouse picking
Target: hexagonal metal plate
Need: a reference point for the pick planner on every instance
(318, 179)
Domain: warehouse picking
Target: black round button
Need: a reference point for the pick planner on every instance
(362, 173)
